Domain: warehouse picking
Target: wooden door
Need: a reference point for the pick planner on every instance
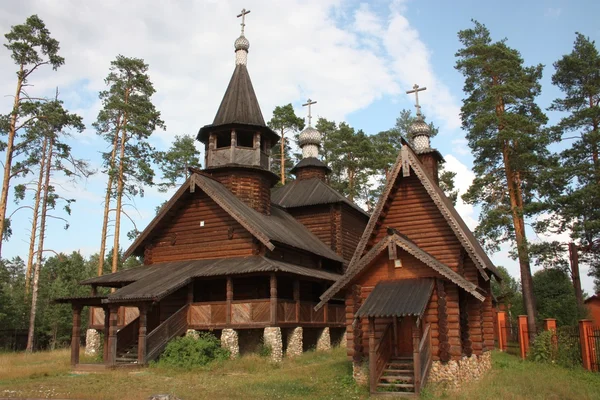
(405, 347)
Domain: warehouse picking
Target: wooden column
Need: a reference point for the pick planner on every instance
(112, 336)
(142, 334)
(372, 356)
(297, 298)
(523, 336)
(585, 326)
(233, 146)
(273, 285)
(395, 341)
(229, 299)
(325, 309)
(76, 335)
(502, 342)
(105, 339)
(190, 293)
(416, 338)
(444, 345)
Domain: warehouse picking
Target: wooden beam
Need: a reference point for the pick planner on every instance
(416, 338)
(143, 322)
(105, 340)
(76, 335)
(112, 335)
(273, 286)
(395, 341)
(372, 356)
(229, 299)
(297, 298)
(190, 292)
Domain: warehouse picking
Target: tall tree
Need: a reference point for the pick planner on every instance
(31, 47)
(126, 121)
(176, 161)
(57, 157)
(505, 133)
(555, 297)
(573, 186)
(284, 121)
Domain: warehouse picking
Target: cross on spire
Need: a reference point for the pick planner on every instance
(416, 90)
(309, 103)
(243, 15)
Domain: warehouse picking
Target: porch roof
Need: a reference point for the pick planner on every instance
(159, 280)
(89, 300)
(402, 298)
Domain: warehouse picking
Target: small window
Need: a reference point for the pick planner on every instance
(245, 139)
(223, 140)
(397, 263)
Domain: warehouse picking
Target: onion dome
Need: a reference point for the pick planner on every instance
(309, 141)
(420, 133)
(241, 43)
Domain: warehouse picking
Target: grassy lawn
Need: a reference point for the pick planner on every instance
(312, 376)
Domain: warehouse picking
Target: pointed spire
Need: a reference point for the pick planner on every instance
(419, 130)
(241, 44)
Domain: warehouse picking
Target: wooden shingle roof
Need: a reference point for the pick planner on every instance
(407, 297)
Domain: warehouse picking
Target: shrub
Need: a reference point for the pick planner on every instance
(264, 350)
(566, 353)
(189, 352)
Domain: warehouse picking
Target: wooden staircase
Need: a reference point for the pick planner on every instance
(398, 377)
(128, 355)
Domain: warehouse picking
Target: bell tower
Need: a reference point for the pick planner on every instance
(238, 143)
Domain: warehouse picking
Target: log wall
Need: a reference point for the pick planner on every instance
(185, 239)
(353, 225)
(252, 187)
(311, 172)
(316, 219)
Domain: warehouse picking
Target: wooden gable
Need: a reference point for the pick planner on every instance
(199, 228)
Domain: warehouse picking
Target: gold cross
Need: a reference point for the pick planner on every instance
(309, 103)
(243, 15)
(416, 90)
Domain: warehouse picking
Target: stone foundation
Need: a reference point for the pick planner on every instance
(454, 373)
(294, 342)
(192, 333)
(324, 340)
(360, 373)
(272, 338)
(344, 340)
(93, 341)
(229, 340)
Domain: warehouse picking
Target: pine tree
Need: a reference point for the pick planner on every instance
(176, 161)
(574, 185)
(284, 122)
(31, 47)
(505, 133)
(126, 121)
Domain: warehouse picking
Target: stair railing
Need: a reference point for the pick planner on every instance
(379, 356)
(128, 335)
(174, 326)
(425, 358)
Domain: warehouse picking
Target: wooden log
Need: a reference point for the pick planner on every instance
(76, 334)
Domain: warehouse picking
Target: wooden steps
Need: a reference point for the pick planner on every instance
(397, 378)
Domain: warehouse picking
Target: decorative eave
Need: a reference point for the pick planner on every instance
(410, 247)
(406, 160)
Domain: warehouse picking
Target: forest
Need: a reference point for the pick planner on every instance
(530, 177)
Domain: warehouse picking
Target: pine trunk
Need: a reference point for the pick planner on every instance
(109, 184)
(10, 143)
(40, 250)
(35, 216)
(282, 156)
(574, 260)
(120, 184)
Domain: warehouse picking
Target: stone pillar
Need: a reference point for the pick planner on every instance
(294, 342)
(324, 340)
(344, 340)
(229, 340)
(585, 326)
(75, 335)
(272, 338)
(192, 333)
(523, 336)
(92, 342)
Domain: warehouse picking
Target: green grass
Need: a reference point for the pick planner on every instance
(314, 375)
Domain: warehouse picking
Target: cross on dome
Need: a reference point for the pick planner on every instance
(243, 15)
(309, 103)
(416, 90)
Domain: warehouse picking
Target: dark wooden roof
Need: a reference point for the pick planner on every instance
(402, 298)
(410, 247)
(159, 280)
(308, 192)
(310, 162)
(89, 300)
(277, 228)
(406, 162)
(239, 107)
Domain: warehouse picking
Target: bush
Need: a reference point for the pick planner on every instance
(264, 350)
(189, 352)
(566, 353)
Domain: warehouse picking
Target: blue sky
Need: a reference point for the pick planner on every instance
(355, 58)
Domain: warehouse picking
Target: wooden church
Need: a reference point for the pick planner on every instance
(230, 254)
(417, 290)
